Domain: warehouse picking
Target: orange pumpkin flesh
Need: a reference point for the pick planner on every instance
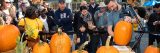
(152, 49)
(107, 48)
(8, 36)
(122, 33)
(1, 26)
(41, 48)
(60, 43)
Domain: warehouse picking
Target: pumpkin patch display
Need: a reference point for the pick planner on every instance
(41, 47)
(60, 42)
(8, 37)
(122, 33)
(107, 48)
(152, 49)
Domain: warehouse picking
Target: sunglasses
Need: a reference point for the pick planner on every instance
(7, 2)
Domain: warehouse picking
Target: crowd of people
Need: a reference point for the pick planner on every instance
(97, 20)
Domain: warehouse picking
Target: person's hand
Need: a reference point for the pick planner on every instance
(156, 22)
(111, 35)
(78, 40)
(134, 20)
(102, 27)
(2, 21)
(9, 20)
(127, 19)
(100, 14)
(91, 26)
(82, 29)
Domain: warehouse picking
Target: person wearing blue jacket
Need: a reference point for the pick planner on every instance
(63, 17)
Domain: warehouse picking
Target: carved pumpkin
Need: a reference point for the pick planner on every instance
(60, 43)
(107, 48)
(41, 47)
(8, 36)
(122, 33)
(152, 49)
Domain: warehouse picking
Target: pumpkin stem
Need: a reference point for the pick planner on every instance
(40, 42)
(75, 37)
(59, 31)
(84, 44)
(20, 46)
(22, 37)
(108, 41)
(80, 51)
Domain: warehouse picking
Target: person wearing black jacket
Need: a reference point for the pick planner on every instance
(154, 25)
(63, 17)
(93, 7)
(83, 25)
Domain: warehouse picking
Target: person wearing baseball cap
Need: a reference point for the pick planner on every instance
(63, 16)
(101, 22)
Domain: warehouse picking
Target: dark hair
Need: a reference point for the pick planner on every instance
(107, 1)
(30, 11)
(1, 2)
(83, 8)
(141, 11)
(157, 5)
(61, 1)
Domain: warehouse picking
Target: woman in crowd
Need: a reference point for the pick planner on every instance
(7, 12)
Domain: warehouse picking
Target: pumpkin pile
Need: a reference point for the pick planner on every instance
(60, 42)
(8, 36)
(122, 33)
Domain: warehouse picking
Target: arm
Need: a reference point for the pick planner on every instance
(110, 31)
(21, 25)
(96, 15)
(110, 25)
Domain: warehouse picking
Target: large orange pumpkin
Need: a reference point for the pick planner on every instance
(41, 47)
(60, 43)
(1, 26)
(8, 36)
(122, 33)
(152, 49)
(107, 48)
